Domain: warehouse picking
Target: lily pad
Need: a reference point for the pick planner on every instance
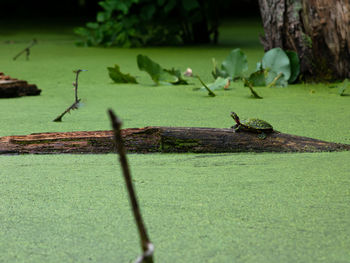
(275, 79)
(276, 61)
(235, 64)
(294, 66)
(257, 78)
(219, 83)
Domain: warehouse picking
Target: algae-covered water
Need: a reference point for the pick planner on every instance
(198, 207)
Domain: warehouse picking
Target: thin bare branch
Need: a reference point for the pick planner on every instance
(76, 103)
(146, 244)
(26, 50)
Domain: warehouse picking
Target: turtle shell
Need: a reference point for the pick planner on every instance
(256, 125)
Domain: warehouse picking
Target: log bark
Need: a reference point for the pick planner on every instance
(165, 140)
(318, 30)
(17, 88)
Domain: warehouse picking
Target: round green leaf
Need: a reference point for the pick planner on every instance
(294, 65)
(235, 63)
(277, 61)
(257, 78)
(219, 83)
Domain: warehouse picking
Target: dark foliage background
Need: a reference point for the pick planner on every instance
(89, 8)
(134, 22)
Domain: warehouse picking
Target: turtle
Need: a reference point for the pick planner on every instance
(252, 125)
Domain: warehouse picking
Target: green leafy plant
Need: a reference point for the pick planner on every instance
(157, 73)
(189, 73)
(177, 73)
(277, 68)
(277, 64)
(219, 83)
(151, 22)
(257, 78)
(294, 66)
(119, 77)
(233, 66)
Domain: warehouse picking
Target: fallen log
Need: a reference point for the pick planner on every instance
(17, 88)
(165, 140)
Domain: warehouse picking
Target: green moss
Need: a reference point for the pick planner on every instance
(197, 207)
(307, 40)
(297, 7)
(180, 145)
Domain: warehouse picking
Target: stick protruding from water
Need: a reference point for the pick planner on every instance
(146, 244)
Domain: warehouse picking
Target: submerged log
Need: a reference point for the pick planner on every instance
(165, 140)
(11, 87)
(17, 88)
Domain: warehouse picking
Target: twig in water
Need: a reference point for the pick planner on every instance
(146, 244)
(26, 50)
(75, 105)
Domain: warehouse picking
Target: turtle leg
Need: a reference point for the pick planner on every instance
(262, 135)
(236, 127)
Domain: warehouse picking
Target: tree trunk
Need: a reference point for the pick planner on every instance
(318, 30)
(163, 139)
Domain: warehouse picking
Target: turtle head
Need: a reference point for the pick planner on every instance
(235, 117)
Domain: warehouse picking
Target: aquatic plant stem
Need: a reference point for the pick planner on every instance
(210, 92)
(249, 85)
(146, 244)
(274, 81)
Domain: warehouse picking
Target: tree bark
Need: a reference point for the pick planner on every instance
(318, 30)
(165, 140)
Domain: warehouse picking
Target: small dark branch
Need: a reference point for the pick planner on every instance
(75, 105)
(26, 50)
(75, 84)
(146, 244)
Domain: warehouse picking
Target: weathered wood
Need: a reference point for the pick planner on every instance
(318, 30)
(163, 139)
(11, 88)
